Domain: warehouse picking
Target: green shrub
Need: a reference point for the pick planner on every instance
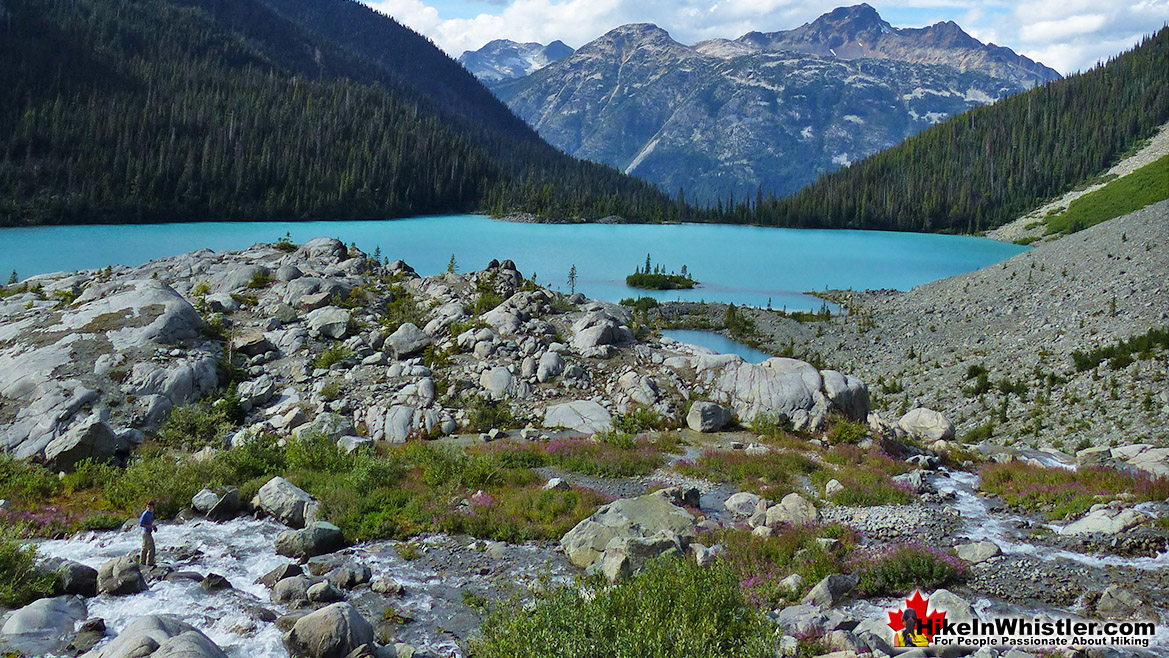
(163, 476)
(21, 582)
(760, 563)
(255, 457)
(979, 433)
(23, 481)
(485, 414)
(899, 569)
(196, 425)
(261, 279)
(285, 244)
(401, 309)
(639, 419)
(317, 452)
(674, 608)
(1120, 355)
(844, 431)
(331, 355)
(641, 304)
(332, 390)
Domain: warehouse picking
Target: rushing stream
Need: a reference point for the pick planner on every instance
(242, 550)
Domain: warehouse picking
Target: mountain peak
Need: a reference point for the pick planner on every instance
(633, 36)
(503, 59)
(859, 32)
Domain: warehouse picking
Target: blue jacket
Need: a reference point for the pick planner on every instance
(146, 520)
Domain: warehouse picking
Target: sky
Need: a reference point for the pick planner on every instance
(1067, 35)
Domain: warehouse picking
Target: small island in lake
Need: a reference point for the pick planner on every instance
(657, 278)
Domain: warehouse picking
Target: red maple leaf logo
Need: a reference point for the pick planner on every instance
(931, 622)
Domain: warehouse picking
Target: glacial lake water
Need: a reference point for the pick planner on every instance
(718, 343)
(735, 264)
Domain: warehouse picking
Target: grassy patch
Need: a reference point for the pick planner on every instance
(397, 493)
(760, 563)
(1061, 493)
(1146, 185)
(899, 569)
(771, 476)
(866, 476)
(609, 454)
(674, 608)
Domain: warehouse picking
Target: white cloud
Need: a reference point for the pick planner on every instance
(1067, 35)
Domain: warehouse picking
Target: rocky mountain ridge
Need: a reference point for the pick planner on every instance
(723, 118)
(859, 32)
(503, 59)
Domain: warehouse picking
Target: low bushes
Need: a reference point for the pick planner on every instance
(198, 425)
(1062, 493)
(760, 563)
(866, 476)
(674, 608)
(20, 582)
(609, 454)
(901, 568)
(771, 475)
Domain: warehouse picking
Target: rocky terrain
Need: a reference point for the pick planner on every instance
(766, 111)
(503, 59)
(1020, 321)
(322, 340)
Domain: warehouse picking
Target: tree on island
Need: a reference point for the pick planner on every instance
(655, 277)
(572, 279)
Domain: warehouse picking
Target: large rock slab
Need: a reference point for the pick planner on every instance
(707, 417)
(407, 340)
(926, 425)
(832, 591)
(777, 387)
(55, 361)
(159, 636)
(584, 416)
(645, 516)
(76, 578)
(331, 632)
(847, 394)
(315, 539)
(1106, 521)
(598, 330)
(43, 626)
(286, 502)
(120, 576)
(90, 439)
(794, 509)
(329, 321)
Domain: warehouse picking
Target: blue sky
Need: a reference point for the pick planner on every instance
(1068, 35)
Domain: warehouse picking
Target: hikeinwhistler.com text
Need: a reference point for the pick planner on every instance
(1044, 632)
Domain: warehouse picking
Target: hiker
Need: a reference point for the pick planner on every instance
(146, 522)
(910, 635)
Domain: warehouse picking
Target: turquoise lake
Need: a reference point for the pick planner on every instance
(736, 264)
(718, 343)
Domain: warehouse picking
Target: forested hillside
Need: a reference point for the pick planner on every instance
(986, 166)
(165, 110)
